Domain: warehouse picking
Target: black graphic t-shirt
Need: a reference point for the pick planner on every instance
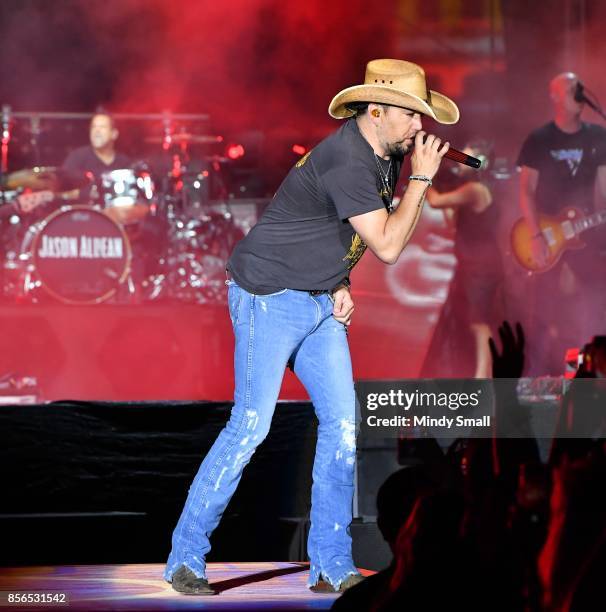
(83, 160)
(567, 165)
(304, 239)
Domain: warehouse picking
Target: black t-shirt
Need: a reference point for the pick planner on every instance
(304, 239)
(567, 165)
(84, 159)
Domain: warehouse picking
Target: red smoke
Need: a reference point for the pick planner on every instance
(249, 63)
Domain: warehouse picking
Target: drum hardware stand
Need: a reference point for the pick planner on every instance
(167, 124)
(173, 160)
(156, 283)
(118, 116)
(35, 131)
(29, 284)
(6, 137)
(130, 284)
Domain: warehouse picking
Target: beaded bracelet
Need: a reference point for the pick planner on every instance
(420, 177)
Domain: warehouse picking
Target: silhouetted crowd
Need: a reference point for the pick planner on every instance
(488, 525)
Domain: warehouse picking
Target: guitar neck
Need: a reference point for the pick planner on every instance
(598, 218)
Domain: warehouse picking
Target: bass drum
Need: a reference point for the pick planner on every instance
(78, 255)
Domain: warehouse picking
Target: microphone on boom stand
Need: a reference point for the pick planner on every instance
(579, 96)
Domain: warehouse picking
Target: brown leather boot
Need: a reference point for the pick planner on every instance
(185, 581)
(326, 587)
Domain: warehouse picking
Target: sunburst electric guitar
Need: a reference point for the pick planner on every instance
(561, 232)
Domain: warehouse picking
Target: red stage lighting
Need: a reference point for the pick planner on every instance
(299, 149)
(572, 362)
(235, 151)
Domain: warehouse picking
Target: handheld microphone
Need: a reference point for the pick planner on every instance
(461, 158)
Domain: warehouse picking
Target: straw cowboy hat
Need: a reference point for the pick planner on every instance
(398, 83)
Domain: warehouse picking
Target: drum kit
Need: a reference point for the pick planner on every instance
(132, 235)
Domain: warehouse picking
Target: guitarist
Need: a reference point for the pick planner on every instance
(563, 164)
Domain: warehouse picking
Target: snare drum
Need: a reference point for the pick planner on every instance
(127, 194)
(78, 255)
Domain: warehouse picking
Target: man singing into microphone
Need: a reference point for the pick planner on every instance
(563, 164)
(289, 302)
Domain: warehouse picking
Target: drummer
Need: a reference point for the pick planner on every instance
(101, 155)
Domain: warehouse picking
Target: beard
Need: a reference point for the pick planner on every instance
(397, 150)
(98, 142)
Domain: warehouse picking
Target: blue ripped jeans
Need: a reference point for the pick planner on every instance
(268, 330)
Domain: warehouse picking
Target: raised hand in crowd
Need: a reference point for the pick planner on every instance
(509, 363)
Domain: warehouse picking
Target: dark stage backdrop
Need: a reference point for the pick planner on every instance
(95, 483)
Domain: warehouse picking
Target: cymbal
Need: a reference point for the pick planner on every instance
(198, 172)
(216, 158)
(34, 178)
(45, 178)
(181, 137)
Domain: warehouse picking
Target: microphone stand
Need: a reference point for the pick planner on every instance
(34, 133)
(596, 108)
(579, 96)
(6, 137)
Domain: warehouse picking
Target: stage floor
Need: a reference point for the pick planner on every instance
(242, 586)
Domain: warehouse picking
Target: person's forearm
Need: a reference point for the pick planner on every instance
(401, 223)
(436, 199)
(467, 194)
(529, 210)
(600, 189)
(438, 202)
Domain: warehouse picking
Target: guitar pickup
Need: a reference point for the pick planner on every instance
(568, 230)
(548, 235)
